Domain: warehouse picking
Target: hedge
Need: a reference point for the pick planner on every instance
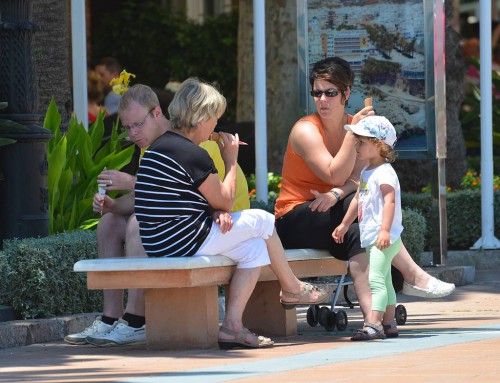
(463, 215)
(37, 277)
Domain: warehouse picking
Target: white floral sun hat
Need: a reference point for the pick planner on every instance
(375, 126)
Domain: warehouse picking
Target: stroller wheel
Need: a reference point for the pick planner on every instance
(330, 321)
(401, 315)
(323, 316)
(312, 315)
(341, 320)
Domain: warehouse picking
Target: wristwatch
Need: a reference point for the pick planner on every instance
(336, 194)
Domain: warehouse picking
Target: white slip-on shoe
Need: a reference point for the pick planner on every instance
(121, 334)
(95, 329)
(435, 289)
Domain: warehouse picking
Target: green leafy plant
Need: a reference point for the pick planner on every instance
(472, 181)
(75, 159)
(273, 183)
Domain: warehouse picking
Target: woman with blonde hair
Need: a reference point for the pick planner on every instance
(182, 208)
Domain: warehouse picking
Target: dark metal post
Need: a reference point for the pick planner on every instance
(23, 165)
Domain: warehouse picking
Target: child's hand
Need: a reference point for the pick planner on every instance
(338, 233)
(383, 240)
(223, 219)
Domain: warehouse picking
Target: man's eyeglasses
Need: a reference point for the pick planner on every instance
(328, 93)
(138, 125)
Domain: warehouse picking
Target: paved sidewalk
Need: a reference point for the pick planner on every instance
(453, 339)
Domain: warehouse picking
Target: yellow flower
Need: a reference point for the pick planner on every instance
(120, 85)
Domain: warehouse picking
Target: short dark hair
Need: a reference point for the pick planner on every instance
(111, 64)
(336, 71)
(140, 94)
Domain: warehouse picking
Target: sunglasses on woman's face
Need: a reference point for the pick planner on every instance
(328, 93)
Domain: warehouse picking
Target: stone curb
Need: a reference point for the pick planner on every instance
(480, 259)
(26, 332)
(459, 275)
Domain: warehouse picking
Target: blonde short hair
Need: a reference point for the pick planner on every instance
(195, 102)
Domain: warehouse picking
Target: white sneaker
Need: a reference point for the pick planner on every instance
(436, 289)
(120, 334)
(96, 328)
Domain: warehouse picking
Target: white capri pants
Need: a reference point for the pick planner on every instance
(245, 243)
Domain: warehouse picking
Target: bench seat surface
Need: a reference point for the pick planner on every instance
(182, 263)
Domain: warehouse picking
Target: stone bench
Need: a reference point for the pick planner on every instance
(181, 294)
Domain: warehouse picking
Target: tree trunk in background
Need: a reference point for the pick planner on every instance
(282, 77)
(415, 174)
(456, 162)
(51, 49)
(281, 67)
(245, 106)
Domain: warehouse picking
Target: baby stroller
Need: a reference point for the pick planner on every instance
(330, 319)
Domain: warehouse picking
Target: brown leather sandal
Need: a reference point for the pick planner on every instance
(240, 341)
(373, 332)
(325, 293)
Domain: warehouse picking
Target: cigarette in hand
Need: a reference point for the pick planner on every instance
(217, 138)
(102, 193)
(368, 101)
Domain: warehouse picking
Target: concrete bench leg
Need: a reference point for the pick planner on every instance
(264, 314)
(182, 318)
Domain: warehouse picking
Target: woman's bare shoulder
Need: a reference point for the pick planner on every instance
(305, 128)
(306, 138)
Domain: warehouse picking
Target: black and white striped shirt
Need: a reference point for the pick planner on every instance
(174, 217)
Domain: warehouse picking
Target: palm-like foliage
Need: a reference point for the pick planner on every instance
(75, 159)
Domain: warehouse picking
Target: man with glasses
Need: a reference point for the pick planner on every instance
(111, 231)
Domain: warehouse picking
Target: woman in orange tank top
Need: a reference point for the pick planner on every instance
(320, 175)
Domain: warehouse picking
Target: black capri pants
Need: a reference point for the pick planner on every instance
(302, 228)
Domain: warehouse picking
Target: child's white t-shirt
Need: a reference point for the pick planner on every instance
(371, 203)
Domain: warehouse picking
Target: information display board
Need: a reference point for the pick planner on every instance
(389, 45)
